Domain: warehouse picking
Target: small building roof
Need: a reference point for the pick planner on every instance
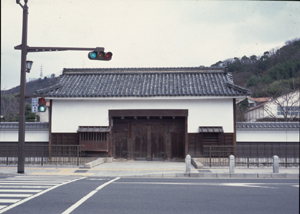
(260, 99)
(144, 82)
(267, 125)
(28, 126)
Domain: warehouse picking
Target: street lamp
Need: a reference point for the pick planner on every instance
(28, 65)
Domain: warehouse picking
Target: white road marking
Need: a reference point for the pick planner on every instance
(19, 190)
(1, 207)
(34, 187)
(78, 203)
(36, 195)
(45, 184)
(15, 195)
(34, 182)
(244, 185)
(9, 200)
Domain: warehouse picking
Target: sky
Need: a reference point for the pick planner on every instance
(147, 33)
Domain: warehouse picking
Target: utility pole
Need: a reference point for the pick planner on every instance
(26, 66)
(21, 149)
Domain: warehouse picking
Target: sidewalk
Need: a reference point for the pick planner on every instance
(163, 169)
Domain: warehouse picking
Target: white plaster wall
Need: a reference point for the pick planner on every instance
(30, 136)
(267, 136)
(67, 115)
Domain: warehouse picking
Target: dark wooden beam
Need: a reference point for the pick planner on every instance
(149, 113)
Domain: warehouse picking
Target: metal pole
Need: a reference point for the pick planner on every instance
(21, 151)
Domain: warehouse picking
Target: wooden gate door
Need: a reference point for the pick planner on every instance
(120, 144)
(177, 144)
(140, 141)
(158, 134)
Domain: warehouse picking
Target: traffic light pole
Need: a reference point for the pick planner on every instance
(51, 49)
(24, 50)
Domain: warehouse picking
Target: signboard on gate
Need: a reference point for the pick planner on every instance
(34, 105)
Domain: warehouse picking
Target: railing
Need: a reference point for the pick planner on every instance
(44, 155)
(250, 155)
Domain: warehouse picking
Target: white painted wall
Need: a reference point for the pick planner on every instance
(30, 136)
(67, 115)
(269, 109)
(253, 115)
(267, 136)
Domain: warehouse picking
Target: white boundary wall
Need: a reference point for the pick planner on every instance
(273, 135)
(68, 114)
(30, 136)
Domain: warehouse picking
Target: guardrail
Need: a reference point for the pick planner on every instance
(250, 155)
(45, 155)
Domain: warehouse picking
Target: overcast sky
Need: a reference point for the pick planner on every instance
(142, 33)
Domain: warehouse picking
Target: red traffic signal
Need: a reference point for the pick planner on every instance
(42, 101)
(42, 105)
(100, 55)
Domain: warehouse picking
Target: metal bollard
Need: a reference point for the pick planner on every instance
(188, 164)
(231, 164)
(275, 164)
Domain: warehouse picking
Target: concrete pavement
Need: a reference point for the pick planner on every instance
(157, 169)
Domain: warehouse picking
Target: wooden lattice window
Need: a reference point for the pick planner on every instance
(94, 138)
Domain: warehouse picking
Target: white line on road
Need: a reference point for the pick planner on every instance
(34, 187)
(42, 184)
(15, 195)
(78, 203)
(29, 182)
(9, 200)
(36, 195)
(2, 207)
(19, 190)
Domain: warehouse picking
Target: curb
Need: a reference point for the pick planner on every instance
(219, 175)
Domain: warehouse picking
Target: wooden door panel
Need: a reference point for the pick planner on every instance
(158, 138)
(139, 141)
(120, 144)
(177, 144)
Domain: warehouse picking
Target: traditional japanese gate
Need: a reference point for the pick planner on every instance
(148, 137)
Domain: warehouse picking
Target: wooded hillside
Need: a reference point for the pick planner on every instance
(266, 72)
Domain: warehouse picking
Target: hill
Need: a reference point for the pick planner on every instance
(266, 72)
(32, 86)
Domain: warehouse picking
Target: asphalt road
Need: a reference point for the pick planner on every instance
(146, 195)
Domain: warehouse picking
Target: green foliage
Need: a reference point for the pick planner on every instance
(253, 81)
(9, 107)
(284, 70)
(271, 66)
(30, 117)
(243, 105)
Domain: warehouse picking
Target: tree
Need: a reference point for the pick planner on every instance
(30, 117)
(253, 58)
(245, 59)
(9, 107)
(241, 107)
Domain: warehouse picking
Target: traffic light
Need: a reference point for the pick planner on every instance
(42, 105)
(100, 55)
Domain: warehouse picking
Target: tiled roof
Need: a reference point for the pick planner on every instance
(260, 99)
(28, 126)
(144, 82)
(268, 125)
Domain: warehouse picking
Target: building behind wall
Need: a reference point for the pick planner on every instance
(143, 113)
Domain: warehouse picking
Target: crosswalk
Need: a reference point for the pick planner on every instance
(19, 189)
